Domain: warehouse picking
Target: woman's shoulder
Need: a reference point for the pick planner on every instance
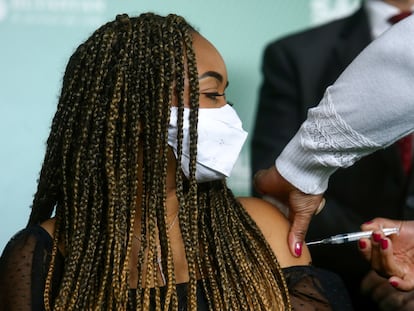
(22, 249)
(275, 227)
(28, 239)
(23, 268)
(49, 226)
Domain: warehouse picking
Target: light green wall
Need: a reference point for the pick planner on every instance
(38, 36)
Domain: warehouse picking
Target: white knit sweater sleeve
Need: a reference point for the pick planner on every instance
(370, 106)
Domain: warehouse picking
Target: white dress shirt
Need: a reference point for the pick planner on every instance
(379, 12)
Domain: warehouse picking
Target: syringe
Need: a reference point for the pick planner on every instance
(353, 236)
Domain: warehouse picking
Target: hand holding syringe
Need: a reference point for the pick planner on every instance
(354, 236)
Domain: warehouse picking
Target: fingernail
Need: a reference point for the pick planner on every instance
(394, 283)
(384, 244)
(377, 237)
(298, 249)
(368, 222)
(362, 244)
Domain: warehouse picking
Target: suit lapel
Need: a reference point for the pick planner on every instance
(355, 36)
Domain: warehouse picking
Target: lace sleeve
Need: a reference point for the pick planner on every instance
(330, 138)
(313, 289)
(23, 268)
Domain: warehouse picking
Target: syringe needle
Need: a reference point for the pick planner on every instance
(353, 236)
(315, 242)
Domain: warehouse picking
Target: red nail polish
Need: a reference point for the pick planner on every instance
(394, 283)
(298, 249)
(377, 237)
(368, 222)
(362, 244)
(384, 243)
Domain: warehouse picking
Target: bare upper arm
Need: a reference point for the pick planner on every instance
(49, 226)
(275, 227)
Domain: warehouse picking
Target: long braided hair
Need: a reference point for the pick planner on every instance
(114, 104)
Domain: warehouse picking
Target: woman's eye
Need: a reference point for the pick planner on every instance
(213, 95)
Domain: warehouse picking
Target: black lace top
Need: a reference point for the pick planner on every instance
(24, 264)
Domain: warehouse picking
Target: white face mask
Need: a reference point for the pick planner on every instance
(220, 139)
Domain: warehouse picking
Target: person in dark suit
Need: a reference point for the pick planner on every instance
(296, 71)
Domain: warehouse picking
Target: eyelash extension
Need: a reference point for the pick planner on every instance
(213, 95)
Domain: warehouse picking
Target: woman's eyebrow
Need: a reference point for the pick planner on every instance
(213, 74)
